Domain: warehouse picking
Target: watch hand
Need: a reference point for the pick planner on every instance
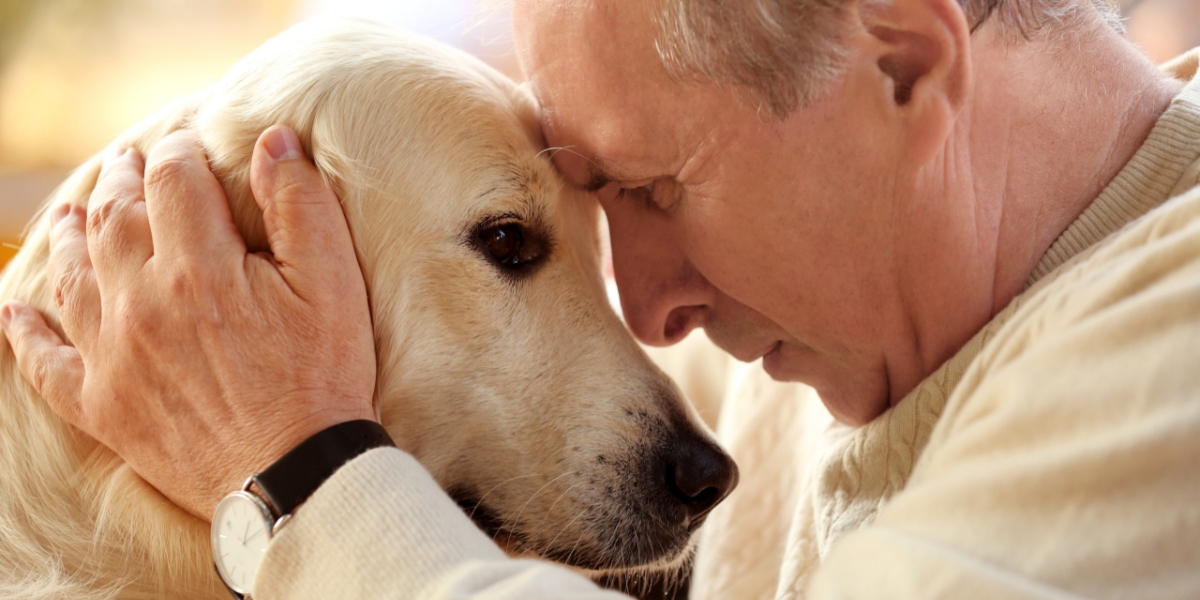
(256, 533)
(247, 532)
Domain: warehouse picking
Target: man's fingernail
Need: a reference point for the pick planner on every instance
(59, 212)
(5, 316)
(282, 144)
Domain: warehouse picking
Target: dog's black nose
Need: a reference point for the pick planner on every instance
(700, 475)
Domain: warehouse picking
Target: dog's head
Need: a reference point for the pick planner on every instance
(502, 367)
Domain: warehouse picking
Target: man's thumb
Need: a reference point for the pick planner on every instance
(305, 225)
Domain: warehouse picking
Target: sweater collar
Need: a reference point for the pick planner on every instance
(1148, 180)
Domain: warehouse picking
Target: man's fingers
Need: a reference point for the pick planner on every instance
(188, 210)
(118, 233)
(53, 368)
(305, 225)
(71, 277)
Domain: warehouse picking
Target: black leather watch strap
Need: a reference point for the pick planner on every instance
(293, 478)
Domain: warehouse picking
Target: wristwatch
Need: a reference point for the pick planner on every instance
(244, 522)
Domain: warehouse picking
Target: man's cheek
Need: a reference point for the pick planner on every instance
(719, 250)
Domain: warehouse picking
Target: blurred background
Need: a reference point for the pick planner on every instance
(75, 73)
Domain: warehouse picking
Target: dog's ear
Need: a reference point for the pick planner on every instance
(228, 150)
(229, 143)
(229, 137)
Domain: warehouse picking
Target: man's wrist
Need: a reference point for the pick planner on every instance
(297, 474)
(283, 486)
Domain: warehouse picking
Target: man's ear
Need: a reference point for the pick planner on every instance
(923, 48)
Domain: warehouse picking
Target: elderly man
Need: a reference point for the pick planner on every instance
(973, 228)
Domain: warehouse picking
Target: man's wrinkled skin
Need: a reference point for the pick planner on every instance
(206, 363)
(857, 244)
(860, 242)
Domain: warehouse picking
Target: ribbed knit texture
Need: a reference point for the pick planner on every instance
(380, 527)
(1151, 177)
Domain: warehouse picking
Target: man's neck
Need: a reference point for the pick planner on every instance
(1048, 131)
(1046, 126)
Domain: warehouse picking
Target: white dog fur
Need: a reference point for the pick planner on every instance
(522, 392)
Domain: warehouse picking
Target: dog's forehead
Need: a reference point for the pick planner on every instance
(519, 182)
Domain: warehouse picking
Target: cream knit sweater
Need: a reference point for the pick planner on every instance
(1057, 455)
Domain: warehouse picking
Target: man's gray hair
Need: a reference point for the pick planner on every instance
(785, 52)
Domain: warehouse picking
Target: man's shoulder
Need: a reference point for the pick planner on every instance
(1070, 443)
(1154, 253)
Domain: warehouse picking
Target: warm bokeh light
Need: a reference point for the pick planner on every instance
(82, 71)
(75, 73)
(70, 92)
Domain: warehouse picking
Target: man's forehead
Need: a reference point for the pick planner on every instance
(571, 143)
(574, 48)
(598, 98)
(610, 146)
(581, 170)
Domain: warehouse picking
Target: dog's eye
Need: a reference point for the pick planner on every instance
(507, 245)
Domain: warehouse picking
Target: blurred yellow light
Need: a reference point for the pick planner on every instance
(64, 98)
(8, 249)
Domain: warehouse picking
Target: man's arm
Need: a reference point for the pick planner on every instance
(381, 528)
(200, 364)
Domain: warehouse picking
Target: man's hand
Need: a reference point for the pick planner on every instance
(198, 363)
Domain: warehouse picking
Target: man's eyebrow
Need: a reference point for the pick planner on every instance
(597, 178)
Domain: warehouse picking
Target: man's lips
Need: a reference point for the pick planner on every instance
(765, 350)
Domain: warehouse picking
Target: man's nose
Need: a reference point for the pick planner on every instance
(663, 296)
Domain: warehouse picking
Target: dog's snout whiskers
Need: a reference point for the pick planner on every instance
(516, 519)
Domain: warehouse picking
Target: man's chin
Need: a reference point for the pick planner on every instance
(780, 367)
(850, 404)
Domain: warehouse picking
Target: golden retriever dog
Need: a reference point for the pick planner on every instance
(502, 367)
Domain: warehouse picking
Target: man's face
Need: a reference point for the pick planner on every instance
(778, 238)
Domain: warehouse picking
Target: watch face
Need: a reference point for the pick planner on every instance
(240, 531)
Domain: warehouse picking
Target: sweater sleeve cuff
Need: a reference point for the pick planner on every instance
(379, 519)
